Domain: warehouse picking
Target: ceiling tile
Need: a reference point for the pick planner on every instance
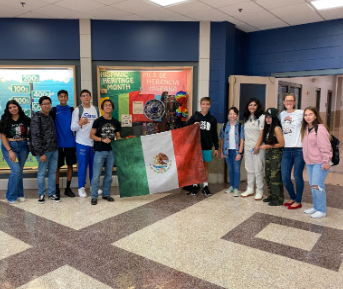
(108, 2)
(32, 15)
(135, 6)
(80, 5)
(273, 4)
(332, 13)
(222, 3)
(7, 11)
(248, 7)
(303, 8)
(246, 28)
(55, 11)
(268, 24)
(159, 14)
(189, 7)
(181, 18)
(29, 4)
(260, 15)
(301, 19)
(108, 12)
(50, 1)
(133, 18)
(80, 16)
(209, 15)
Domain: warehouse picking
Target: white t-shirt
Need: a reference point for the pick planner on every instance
(82, 133)
(252, 128)
(232, 142)
(291, 126)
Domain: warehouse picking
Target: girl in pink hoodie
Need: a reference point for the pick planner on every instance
(317, 155)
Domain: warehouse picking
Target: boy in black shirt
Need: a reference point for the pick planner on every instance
(104, 130)
(209, 138)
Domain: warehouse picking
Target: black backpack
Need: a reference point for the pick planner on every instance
(335, 148)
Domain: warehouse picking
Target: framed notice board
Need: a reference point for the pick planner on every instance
(26, 84)
(131, 87)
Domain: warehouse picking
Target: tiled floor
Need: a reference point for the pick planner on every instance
(168, 241)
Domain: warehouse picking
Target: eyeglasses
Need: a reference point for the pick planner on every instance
(85, 95)
(46, 104)
(289, 101)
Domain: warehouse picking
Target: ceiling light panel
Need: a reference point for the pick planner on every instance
(168, 2)
(327, 4)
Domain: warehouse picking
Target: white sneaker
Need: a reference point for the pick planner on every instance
(229, 190)
(21, 199)
(318, 215)
(259, 195)
(310, 211)
(249, 192)
(100, 192)
(235, 193)
(82, 192)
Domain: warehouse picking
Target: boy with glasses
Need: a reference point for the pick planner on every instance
(61, 114)
(82, 121)
(45, 148)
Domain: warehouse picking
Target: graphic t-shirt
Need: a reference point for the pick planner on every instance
(252, 128)
(105, 128)
(291, 126)
(19, 128)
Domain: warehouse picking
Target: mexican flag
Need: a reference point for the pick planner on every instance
(159, 163)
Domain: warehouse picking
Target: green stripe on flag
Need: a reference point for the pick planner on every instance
(128, 156)
(123, 105)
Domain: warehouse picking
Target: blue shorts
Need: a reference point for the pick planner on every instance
(207, 155)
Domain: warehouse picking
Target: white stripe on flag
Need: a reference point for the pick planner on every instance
(160, 162)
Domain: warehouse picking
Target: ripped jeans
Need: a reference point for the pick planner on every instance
(316, 177)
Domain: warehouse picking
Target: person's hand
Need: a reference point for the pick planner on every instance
(106, 140)
(326, 167)
(215, 153)
(222, 155)
(43, 158)
(196, 122)
(12, 156)
(256, 151)
(238, 157)
(83, 121)
(264, 147)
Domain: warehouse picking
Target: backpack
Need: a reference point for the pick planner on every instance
(80, 107)
(53, 112)
(335, 148)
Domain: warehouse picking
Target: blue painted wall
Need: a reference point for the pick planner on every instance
(39, 39)
(297, 48)
(228, 53)
(145, 41)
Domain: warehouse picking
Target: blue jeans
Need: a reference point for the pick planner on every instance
(293, 157)
(15, 188)
(234, 168)
(85, 158)
(99, 159)
(51, 166)
(316, 177)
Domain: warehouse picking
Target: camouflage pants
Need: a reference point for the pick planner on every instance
(273, 175)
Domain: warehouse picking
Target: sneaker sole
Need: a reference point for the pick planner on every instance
(258, 199)
(83, 196)
(247, 195)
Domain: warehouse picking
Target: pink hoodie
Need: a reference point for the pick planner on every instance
(317, 148)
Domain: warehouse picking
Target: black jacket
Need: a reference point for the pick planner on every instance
(208, 130)
(43, 134)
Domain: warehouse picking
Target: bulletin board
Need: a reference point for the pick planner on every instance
(26, 84)
(131, 87)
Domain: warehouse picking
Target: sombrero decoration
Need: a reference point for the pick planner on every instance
(182, 111)
(181, 97)
(154, 109)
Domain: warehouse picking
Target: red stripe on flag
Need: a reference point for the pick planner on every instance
(188, 155)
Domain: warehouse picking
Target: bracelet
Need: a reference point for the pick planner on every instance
(9, 150)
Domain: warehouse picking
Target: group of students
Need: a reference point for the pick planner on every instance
(57, 136)
(279, 143)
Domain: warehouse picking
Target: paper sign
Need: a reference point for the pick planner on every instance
(137, 107)
(126, 120)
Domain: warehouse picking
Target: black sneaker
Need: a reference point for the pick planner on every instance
(58, 193)
(69, 193)
(41, 199)
(195, 190)
(206, 191)
(273, 204)
(54, 198)
(267, 200)
(94, 201)
(108, 198)
(188, 188)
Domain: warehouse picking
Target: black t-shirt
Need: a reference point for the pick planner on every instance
(105, 128)
(18, 129)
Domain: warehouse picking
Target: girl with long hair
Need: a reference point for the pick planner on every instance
(291, 121)
(254, 157)
(14, 126)
(231, 148)
(273, 139)
(317, 152)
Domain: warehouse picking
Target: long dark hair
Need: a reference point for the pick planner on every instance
(259, 111)
(270, 128)
(7, 116)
